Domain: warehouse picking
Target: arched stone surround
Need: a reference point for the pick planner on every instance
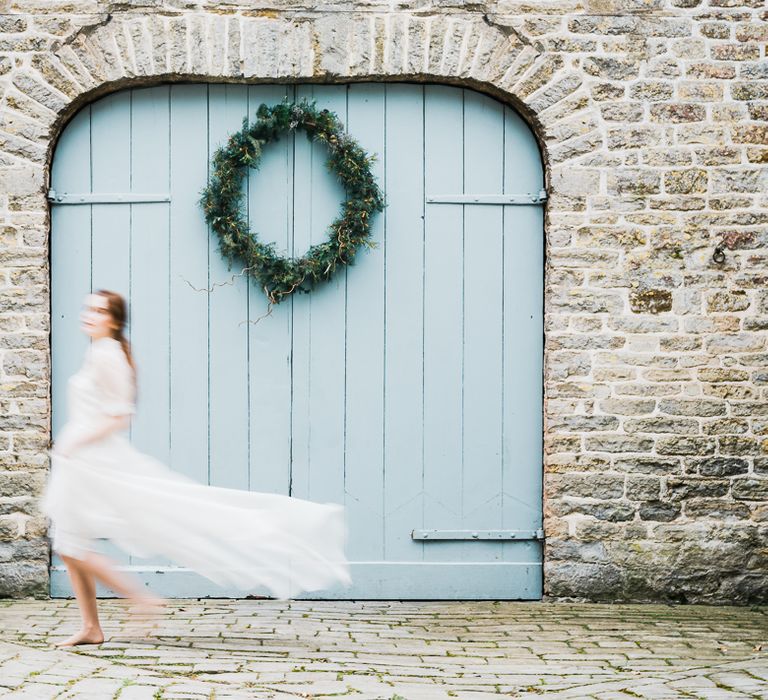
(641, 481)
(126, 50)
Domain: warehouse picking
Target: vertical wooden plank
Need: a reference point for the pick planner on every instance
(301, 309)
(403, 417)
(364, 412)
(70, 260)
(149, 270)
(483, 290)
(111, 163)
(227, 322)
(188, 269)
(318, 388)
(523, 169)
(270, 213)
(443, 319)
(523, 339)
(111, 223)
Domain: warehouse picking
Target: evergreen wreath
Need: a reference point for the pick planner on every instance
(221, 199)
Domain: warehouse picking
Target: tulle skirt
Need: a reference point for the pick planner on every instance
(243, 539)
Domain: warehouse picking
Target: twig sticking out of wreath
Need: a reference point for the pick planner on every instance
(222, 198)
(216, 284)
(270, 306)
(210, 289)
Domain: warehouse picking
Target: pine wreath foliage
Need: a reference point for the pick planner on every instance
(222, 198)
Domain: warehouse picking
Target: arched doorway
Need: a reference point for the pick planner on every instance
(408, 388)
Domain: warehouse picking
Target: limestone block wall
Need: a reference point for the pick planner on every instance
(653, 121)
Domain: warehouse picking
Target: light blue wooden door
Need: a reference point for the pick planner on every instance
(408, 388)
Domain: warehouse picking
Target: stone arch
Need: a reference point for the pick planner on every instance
(474, 51)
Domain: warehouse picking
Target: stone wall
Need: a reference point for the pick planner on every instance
(653, 121)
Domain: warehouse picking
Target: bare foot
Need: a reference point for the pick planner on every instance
(145, 613)
(95, 636)
(148, 606)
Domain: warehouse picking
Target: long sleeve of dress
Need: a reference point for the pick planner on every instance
(114, 379)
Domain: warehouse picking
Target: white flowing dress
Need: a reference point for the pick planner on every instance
(108, 489)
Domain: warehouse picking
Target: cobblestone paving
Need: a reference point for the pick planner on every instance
(392, 650)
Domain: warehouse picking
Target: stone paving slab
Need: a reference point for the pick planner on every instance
(226, 649)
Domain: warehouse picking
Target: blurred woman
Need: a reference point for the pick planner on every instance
(102, 487)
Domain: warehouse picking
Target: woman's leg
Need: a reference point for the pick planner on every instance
(145, 604)
(85, 593)
(82, 573)
(103, 569)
